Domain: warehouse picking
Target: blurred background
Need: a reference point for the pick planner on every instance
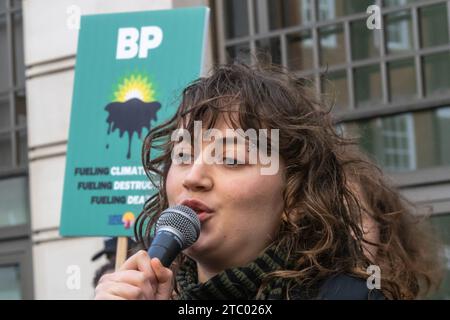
(390, 86)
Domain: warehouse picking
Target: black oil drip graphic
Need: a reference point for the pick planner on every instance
(131, 116)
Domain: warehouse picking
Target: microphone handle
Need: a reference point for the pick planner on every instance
(165, 246)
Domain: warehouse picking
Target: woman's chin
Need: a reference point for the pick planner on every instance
(199, 248)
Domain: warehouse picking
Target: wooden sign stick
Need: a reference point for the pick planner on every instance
(121, 251)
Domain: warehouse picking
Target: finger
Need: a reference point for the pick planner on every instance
(107, 296)
(120, 289)
(135, 278)
(141, 262)
(164, 277)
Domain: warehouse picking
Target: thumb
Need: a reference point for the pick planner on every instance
(164, 278)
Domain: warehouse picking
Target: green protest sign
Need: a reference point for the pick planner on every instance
(130, 70)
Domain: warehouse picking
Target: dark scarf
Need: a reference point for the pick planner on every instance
(240, 283)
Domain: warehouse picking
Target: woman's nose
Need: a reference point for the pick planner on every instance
(198, 178)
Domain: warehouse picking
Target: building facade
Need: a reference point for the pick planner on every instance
(389, 80)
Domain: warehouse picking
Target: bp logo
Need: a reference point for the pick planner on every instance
(133, 108)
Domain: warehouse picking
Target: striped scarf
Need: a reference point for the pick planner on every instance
(240, 283)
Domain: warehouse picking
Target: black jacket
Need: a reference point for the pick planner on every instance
(345, 287)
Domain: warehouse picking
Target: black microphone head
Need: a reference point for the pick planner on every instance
(182, 221)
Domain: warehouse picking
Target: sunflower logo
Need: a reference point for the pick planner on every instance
(133, 108)
(136, 86)
(128, 219)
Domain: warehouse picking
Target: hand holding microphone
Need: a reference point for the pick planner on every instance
(145, 275)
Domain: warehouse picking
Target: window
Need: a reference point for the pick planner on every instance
(406, 142)
(15, 245)
(296, 48)
(236, 24)
(10, 280)
(332, 44)
(442, 226)
(335, 89)
(299, 51)
(307, 11)
(326, 9)
(399, 31)
(273, 15)
(435, 80)
(16, 269)
(13, 138)
(13, 201)
(372, 81)
(12, 90)
(398, 143)
(432, 33)
(365, 42)
(272, 46)
(367, 86)
(326, 12)
(399, 89)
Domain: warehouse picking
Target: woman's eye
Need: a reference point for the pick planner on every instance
(184, 157)
(232, 162)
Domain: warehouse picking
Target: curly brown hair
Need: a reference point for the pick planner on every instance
(331, 186)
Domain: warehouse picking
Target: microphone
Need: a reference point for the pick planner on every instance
(177, 228)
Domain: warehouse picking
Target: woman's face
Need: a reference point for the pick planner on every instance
(246, 205)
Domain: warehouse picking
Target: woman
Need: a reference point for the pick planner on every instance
(309, 230)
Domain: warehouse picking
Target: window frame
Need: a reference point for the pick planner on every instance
(19, 252)
(353, 112)
(15, 241)
(12, 89)
(395, 133)
(15, 169)
(385, 108)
